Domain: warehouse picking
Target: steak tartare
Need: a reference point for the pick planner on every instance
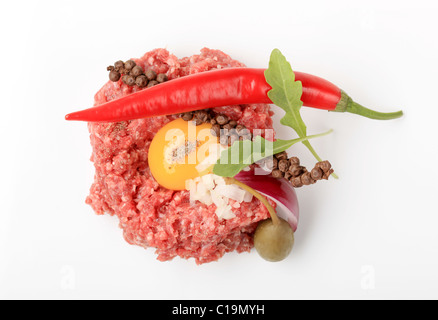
(149, 214)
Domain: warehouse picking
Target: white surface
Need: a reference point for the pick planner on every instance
(370, 234)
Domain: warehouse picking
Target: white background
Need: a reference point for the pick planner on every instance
(372, 234)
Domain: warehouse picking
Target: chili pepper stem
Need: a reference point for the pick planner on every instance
(346, 104)
(258, 195)
(365, 112)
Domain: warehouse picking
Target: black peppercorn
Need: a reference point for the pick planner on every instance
(221, 119)
(281, 155)
(152, 83)
(227, 126)
(114, 75)
(129, 65)
(283, 165)
(232, 138)
(244, 133)
(223, 138)
(119, 65)
(296, 182)
(129, 80)
(150, 74)
(295, 170)
(274, 163)
(141, 81)
(202, 116)
(232, 123)
(277, 174)
(136, 71)
(216, 130)
(306, 179)
(294, 161)
(324, 165)
(187, 116)
(316, 173)
(240, 127)
(161, 77)
(327, 174)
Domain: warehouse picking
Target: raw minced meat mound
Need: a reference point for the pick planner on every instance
(150, 215)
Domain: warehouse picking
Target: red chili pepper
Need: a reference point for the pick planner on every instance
(221, 88)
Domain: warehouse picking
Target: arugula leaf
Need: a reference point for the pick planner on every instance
(286, 94)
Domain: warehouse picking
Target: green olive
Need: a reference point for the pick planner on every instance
(273, 241)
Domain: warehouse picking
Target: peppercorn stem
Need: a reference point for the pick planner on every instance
(258, 195)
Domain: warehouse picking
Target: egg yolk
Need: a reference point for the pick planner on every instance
(176, 151)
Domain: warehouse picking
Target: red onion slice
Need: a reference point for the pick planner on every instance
(279, 190)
